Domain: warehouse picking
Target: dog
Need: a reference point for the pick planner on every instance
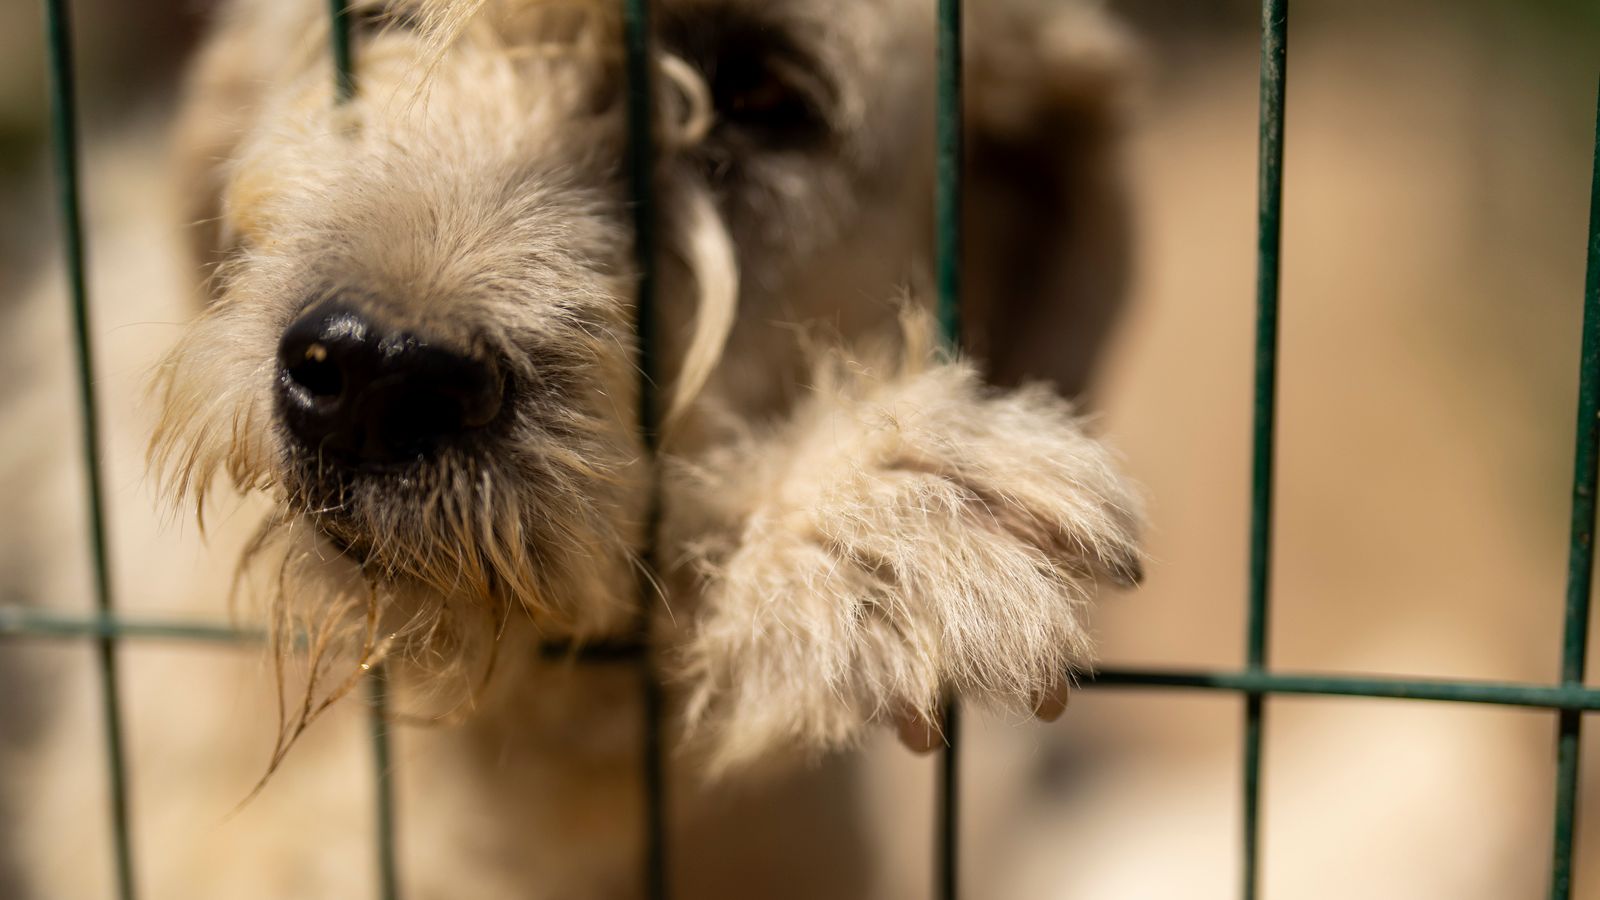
(417, 355)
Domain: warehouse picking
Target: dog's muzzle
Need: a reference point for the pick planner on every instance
(357, 393)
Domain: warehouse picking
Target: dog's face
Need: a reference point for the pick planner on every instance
(420, 340)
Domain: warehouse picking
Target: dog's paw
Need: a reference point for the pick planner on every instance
(900, 539)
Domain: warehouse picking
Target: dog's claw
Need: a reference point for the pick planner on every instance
(918, 734)
(1128, 573)
(1053, 702)
(921, 736)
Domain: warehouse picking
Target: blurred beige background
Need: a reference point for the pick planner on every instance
(1437, 183)
(1436, 203)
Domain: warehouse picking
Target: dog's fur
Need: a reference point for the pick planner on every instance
(853, 525)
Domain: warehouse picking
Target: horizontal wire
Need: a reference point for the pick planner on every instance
(24, 623)
(1501, 693)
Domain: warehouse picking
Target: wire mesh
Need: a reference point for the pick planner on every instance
(1254, 682)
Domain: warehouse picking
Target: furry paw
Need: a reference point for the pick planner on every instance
(899, 539)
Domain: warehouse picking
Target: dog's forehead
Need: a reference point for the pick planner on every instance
(871, 54)
(828, 28)
(841, 12)
(837, 21)
(829, 9)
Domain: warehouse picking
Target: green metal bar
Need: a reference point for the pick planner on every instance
(1580, 559)
(1257, 682)
(948, 198)
(1274, 45)
(344, 88)
(1254, 716)
(641, 166)
(383, 786)
(383, 782)
(25, 623)
(949, 804)
(29, 622)
(621, 651)
(344, 79)
(32, 622)
(641, 171)
(64, 132)
(947, 260)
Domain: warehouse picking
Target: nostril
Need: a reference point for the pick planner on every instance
(317, 373)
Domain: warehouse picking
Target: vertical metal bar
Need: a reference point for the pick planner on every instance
(64, 133)
(344, 79)
(1274, 46)
(641, 156)
(1580, 559)
(949, 805)
(948, 173)
(382, 763)
(344, 88)
(1251, 865)
(948, 209)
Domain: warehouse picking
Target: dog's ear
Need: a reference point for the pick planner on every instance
(1047, 222)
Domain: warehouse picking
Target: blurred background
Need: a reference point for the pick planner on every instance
(1437, 184)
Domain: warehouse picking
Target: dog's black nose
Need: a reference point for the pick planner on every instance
(364, 393)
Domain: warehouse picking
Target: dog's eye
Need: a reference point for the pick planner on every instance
(775, 99)
(767, 89)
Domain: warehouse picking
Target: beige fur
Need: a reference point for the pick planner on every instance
(854, 526)
(902, 533)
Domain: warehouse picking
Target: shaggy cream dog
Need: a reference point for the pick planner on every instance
(418, 352)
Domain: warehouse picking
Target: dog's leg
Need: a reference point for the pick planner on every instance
(904, 534)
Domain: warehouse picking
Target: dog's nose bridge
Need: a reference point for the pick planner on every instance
(361, 392)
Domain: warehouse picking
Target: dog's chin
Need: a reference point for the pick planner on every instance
(337, 531)
(342, 508)
(392, 524)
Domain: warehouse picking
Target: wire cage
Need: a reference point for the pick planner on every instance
(1568, 699)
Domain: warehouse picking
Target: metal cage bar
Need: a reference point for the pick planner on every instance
(383, 782)
(344, 71)
(948, 198)
(1580, 562)
(64, 139)
(947, 260)
(383, 817)
(32, 624)
(641, 172)
(1274, 47)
